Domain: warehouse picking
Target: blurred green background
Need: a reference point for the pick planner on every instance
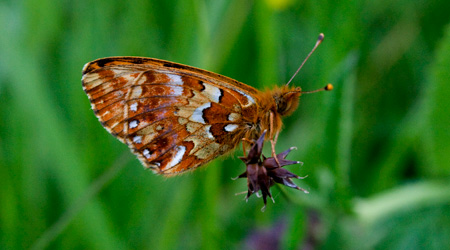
(376, 149)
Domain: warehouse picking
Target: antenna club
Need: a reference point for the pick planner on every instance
(321, 37)
(329, 87)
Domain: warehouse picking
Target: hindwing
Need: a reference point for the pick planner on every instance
(173, 117)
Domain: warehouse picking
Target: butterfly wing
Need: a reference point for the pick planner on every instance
(173, 117)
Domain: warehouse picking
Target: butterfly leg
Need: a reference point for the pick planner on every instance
(274, 154)
(244, 140)
(273, 140)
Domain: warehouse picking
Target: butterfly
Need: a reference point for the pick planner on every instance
(175, 117)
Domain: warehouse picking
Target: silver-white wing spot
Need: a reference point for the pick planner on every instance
(146, 153)
(178, 156)
(175, 79)
(133, 124)
(230, 127)
(197, 115)
(212, 92)
(133, 107)
(208, 132)
(177, 91)
(137, 139)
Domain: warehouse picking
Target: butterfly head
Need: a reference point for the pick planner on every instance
(287, 100)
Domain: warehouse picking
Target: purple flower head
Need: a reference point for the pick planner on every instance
(262, 173)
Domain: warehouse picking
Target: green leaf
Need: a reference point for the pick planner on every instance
(437, 132)
(411, 217)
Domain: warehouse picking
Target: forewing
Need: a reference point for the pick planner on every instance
(173, 117)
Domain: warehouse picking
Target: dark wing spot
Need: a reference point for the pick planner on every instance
(221, 95)
(203, 85)
(102, 62)
(173, 65)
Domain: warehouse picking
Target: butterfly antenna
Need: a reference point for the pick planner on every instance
(319, 40)
(329, 86)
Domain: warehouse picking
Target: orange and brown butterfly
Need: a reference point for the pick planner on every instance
(175, 117)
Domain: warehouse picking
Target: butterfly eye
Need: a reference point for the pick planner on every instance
(288, 102)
